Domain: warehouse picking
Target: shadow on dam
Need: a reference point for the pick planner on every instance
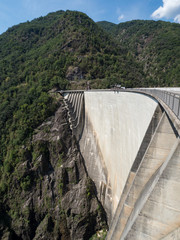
(131, 151)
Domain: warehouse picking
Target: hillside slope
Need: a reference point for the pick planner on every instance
(56, 51)
(58, 41)
(155, 44)
(49, 194)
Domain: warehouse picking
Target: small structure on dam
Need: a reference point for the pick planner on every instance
(131, 147)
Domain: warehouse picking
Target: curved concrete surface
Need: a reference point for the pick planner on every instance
(131, 148)
(143, 214)
(115, 125)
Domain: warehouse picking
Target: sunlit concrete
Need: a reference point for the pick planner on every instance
(115, 125)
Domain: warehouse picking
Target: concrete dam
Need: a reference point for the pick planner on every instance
(130, 144)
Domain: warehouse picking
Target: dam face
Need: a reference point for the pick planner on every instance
(130, 142)
(115, 125)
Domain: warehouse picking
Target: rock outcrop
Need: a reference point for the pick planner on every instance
(74, 73)
(51, 195)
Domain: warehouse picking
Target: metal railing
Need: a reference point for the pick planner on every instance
(172, 100)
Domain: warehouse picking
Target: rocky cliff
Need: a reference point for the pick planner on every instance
(51, 195)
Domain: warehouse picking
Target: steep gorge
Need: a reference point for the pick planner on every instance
(51, 195)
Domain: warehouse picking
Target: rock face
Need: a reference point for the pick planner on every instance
(51, 196)
(74, 73)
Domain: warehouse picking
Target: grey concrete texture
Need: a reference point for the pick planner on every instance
(131, 150)
(160, 216)
(115, 126)
(147, 219)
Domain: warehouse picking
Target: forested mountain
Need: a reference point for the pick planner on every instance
(64, 50)
(155, 44)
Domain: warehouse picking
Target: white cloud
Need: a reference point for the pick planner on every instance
(177, 18)
(120, 17)
(170, 9)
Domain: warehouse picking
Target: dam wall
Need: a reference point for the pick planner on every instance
(114, 129)
(130, 142)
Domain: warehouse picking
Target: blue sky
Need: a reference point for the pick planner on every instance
(13, 12)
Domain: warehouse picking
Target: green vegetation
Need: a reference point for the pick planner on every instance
(89, 188)
(100, 235)
(26, 183)
(60, 160)
(36, 57)
(155, 45)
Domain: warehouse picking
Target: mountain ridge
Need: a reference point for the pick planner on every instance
(156, 44)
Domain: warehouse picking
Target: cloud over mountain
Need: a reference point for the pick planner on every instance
(120, 17)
